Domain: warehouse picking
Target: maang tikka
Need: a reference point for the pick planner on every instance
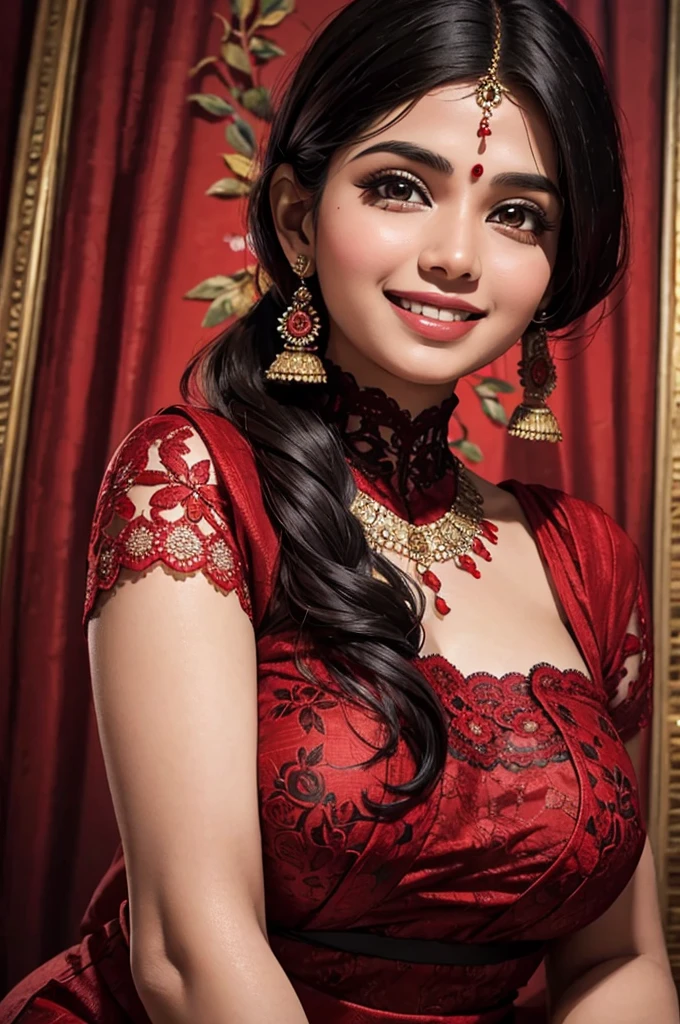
(300, 326)
(489, 91)
(532, 420)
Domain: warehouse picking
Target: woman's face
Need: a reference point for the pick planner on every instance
(490, 241)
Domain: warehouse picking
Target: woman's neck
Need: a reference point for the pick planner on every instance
(411, 396)
(402, 460)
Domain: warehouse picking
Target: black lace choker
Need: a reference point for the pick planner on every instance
(405, 456)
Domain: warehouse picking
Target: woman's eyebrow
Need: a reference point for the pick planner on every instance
(412, 152)
(513, 179)
(529, 182)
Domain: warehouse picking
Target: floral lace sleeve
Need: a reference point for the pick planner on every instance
(159, 502)
(630, 684)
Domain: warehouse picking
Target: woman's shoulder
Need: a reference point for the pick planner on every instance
(181, 489)
(208, 429)
(587, 522)
(573, 528)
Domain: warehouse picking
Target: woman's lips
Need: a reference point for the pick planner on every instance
(436, 330)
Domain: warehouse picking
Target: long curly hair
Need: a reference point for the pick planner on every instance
(363, 65)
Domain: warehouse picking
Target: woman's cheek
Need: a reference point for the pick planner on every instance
(519, 283)
(354, 239)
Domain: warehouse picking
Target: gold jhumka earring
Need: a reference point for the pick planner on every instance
(532, 420)
(300, 326)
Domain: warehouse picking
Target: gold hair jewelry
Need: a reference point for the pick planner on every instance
(489, 91)
(532, 420)
(300, 326)
(452, 536)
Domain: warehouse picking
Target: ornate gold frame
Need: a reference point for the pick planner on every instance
(36, 184)
(664, 815)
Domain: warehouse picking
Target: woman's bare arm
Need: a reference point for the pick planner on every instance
(175, 689)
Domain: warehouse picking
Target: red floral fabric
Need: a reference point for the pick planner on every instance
(158, 505)
(532, 831)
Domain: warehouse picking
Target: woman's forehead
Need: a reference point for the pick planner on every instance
(446, 120)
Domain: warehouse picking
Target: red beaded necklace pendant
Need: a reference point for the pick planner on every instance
(487, 530)
(456, 536)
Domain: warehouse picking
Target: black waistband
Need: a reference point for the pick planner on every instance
(417, 951)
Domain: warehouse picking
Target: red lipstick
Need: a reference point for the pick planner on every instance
(427, 327)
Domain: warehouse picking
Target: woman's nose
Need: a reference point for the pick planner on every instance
(454, 251)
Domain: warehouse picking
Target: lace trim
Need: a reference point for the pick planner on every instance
(184, 522)
(630, 688)
(413, 456)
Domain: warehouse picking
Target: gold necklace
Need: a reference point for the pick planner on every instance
(453, 536)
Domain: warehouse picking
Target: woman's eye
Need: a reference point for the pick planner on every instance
(395, 188)
(521, 218)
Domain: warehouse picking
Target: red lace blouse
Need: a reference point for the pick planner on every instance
(535, 826)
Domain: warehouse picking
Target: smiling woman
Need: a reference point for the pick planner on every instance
(491, 240)
(367, 717)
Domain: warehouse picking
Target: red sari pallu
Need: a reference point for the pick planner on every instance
(532, 832)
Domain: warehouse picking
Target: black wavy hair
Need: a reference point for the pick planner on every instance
(374, 56)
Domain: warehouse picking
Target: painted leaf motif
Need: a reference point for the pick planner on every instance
(264, 49)
(472, 452)
(243, 8)
(241, 165)
(257, 100)
(218, 310)
(228, 188)
(275, 17)
(236, 57)
(500, 386)
(494, 410)
(212, 103)
(208, 289)
(267, 6)
(241, 136)
(203, 62)
(225, 25)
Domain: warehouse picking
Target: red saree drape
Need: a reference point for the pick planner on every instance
(137, 233)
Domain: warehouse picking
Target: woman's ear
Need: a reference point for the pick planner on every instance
(291, 208)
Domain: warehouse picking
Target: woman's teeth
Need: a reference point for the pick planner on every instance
(433, 312)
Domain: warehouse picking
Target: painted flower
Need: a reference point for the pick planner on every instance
(305, 700)
(278, 810)
(299, 780)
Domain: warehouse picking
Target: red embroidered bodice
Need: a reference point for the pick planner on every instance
(535, 826)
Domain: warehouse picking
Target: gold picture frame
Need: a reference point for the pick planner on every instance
(38, 172)
(664, 803)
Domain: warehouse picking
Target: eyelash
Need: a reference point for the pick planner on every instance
(379, 178)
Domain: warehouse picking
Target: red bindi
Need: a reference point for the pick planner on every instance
(477, 171)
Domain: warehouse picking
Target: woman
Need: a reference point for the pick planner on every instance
(370, 722)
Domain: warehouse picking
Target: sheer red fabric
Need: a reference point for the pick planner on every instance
(533, 830)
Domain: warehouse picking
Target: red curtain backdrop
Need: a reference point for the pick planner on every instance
(137, 233)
